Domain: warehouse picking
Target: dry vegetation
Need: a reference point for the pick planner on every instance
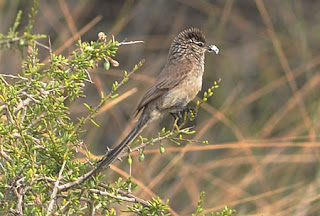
(262, 124)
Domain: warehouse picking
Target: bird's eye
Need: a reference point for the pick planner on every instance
(200, 44)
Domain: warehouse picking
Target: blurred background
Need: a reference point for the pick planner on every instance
(262, 124)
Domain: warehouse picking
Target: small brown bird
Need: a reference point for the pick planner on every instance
(178, 83)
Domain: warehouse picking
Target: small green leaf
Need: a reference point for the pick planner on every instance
(129, 160)
(162, 149)
(88, 107)
(175, 142)
(106, 65)
(189, 132)
(114, 96)
(141, 156)
(95, 123)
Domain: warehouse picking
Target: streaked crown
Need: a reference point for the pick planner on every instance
(193, 34)
(189, 43)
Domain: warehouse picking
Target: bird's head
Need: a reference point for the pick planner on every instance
(194, 40)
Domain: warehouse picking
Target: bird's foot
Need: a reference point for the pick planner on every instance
(185, 113)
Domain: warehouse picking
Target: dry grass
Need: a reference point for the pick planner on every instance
(262, 124)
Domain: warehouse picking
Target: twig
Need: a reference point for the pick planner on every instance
(55, 190)
(14, 77)
(64, 206)
(132, 199)
(15, 212)
(34, 122)
(92, 212)
(142, 145)
(94, 170)
(88, 75)
(29, 96)
(10, 40)
(4, 155)
(3, 80)
(35, 140)
(129, 195)
(19, 193)
(129, 43)
(19, 201)
(22, 104)
(96, 109)
(78, 182)
(42, 45)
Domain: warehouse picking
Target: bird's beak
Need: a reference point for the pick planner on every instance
(212, 48)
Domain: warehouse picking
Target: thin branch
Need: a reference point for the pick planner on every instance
(50, 48)
(78, 182)
(29, 96)
(42, 45)
(67, 202)
(129, 43)
(14, 77)
(92, 212)
(5, 155)
(94, 170)
(96, 109)
(19, 201)
(15, 212)
(132, 199)
(6, 41)
(22, 104)
(126, 194)
(3, 80)
(159, 139)
(53, 196)
(88, 75)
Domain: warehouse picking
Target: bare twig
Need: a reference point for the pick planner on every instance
(22, 104)
(132, 198)
(78, 182)
(42, 45)
(88, 75)
(19, 201)
(92, 209)
(53, 196)
(142, 145)
(14, 77)
(15, 212)
(129, 42)
(3, 80)
(126, 194)
(31, 97)
(10, 40)
(4, 155)
(19, 192)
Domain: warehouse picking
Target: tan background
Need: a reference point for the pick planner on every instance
(262, 124)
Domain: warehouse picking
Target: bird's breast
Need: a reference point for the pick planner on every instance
(183, 93)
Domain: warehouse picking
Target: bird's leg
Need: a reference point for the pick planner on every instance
(178, 117)
(182, 114)
(191, 113)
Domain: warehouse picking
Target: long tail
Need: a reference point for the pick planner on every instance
(114, 153)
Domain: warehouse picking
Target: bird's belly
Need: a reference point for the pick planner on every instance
(183, 93)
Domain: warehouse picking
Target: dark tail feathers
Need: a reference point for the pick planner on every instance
(114, 153)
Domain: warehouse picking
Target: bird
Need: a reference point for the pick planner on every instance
(177, 84)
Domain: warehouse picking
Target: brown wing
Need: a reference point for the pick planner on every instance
(169, 77)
